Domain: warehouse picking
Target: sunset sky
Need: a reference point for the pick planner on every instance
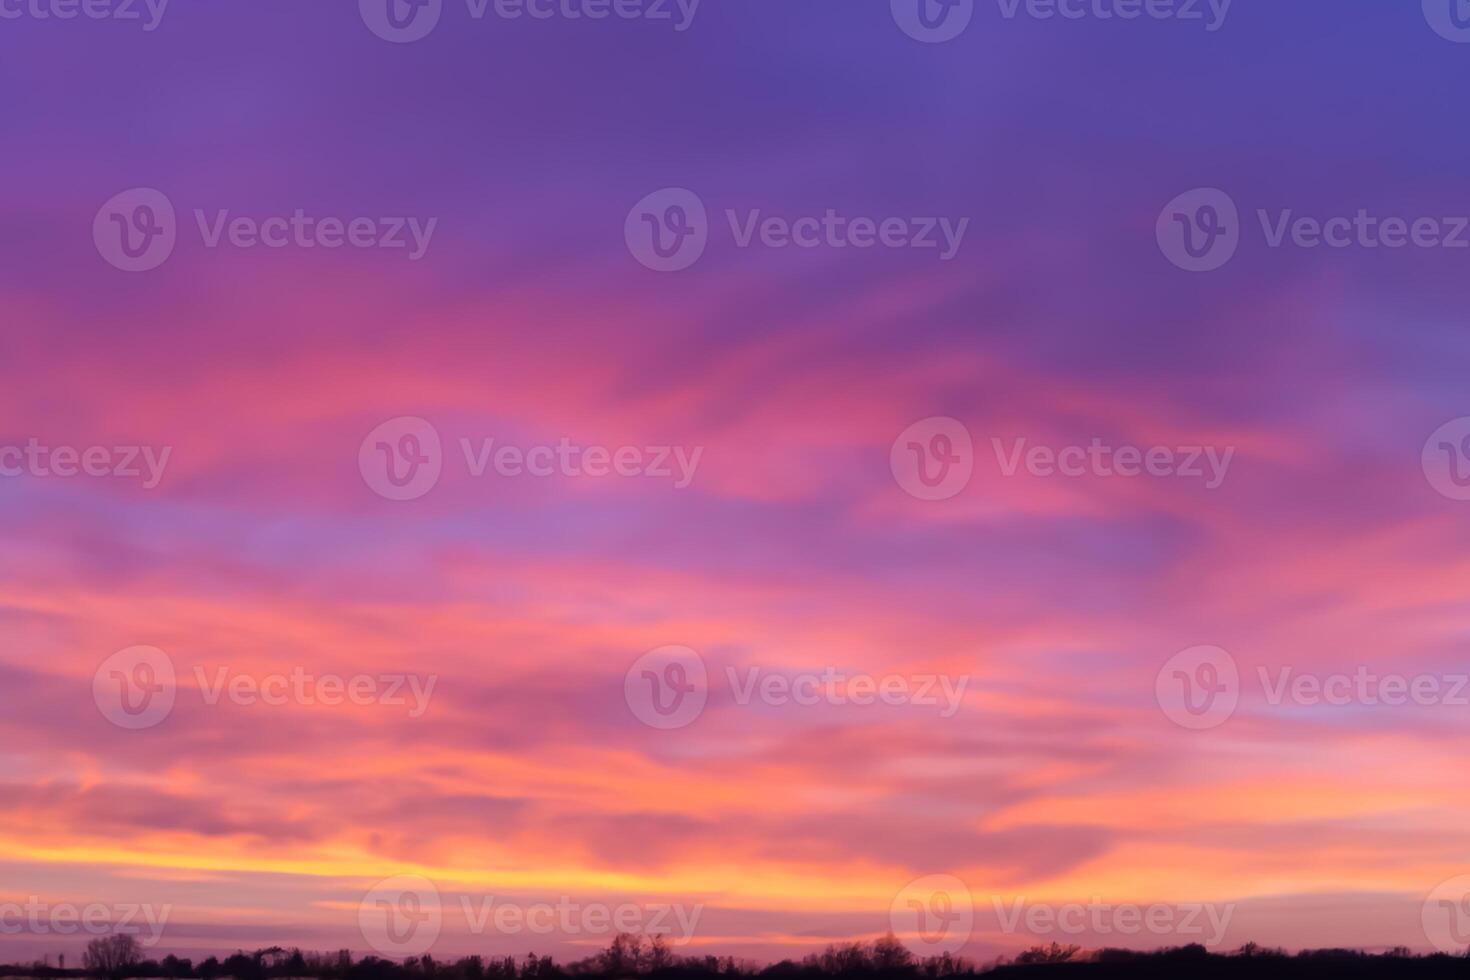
(519, 604)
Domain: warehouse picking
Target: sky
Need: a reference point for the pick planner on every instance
(775, 471)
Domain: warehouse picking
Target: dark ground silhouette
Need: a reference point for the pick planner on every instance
(631, 956)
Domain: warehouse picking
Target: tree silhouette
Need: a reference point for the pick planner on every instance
(111, 956)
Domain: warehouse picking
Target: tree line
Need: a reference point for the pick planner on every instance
(120, 957)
